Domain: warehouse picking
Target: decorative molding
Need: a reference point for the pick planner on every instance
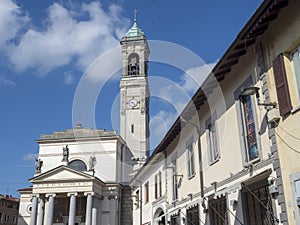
(89, 193)
(48, 195)
(72, 193)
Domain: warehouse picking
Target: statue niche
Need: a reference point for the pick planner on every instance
(133, 64)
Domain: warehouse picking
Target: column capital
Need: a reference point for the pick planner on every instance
(72, 193)
(89, 193)
(48, 195)
(35, 195)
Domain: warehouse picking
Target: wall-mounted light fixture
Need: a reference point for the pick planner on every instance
(247, 91)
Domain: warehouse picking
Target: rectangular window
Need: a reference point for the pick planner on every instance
(212, 140)
(249, 129)
(147, 192)
(174, 181)
(296, 68)
(218, 211)
(191, 160)
(159, 184)
(137, 197)
(156, 187)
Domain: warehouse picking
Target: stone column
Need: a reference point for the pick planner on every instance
(50, 208)
(89, 203)
(41, 212)
(95, 211)
(72, 209)
(34, 210)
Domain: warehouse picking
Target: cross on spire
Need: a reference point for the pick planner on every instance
(135, 12)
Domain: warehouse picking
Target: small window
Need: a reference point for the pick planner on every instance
(147, 192)
(249, 129)
(159, 184)
(137, 195)
(78, 165)
(190, 160)
(132, 128)
(296, 68)
(156, 187)
(174, 180)
(212, 140)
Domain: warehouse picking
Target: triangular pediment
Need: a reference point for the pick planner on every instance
(61, 173)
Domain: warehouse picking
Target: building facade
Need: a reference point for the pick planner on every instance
(282, 65)
(231, 156)
(9, 208)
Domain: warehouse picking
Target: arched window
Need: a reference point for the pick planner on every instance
(133, 64)
(78, 165)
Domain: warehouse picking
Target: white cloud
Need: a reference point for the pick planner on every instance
(30, 157)
(193, 78)
(11, 21)
(6, 82)
(69, 78)
(74, 36)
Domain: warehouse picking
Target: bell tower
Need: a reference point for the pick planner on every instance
(134, 92)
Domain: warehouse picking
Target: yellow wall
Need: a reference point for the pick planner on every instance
(284, 36)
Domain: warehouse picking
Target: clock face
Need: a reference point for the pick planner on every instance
(133, 102)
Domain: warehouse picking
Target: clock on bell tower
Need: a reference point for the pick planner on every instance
(134, 92)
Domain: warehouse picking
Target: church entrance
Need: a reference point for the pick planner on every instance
(61, 210)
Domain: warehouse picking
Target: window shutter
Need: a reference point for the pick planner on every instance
(282, 88)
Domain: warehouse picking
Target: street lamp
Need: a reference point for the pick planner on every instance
(248, 91)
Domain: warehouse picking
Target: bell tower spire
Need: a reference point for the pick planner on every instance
(134, 91)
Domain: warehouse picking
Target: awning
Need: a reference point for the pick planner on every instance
(192, 204)
(228, 190)
(236, 187)
(174, 212)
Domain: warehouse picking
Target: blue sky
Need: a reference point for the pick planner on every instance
(43, 55)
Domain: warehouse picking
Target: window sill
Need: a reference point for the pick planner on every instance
(192, 176)
(295, 109)
(215, 161)
(247, 164)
